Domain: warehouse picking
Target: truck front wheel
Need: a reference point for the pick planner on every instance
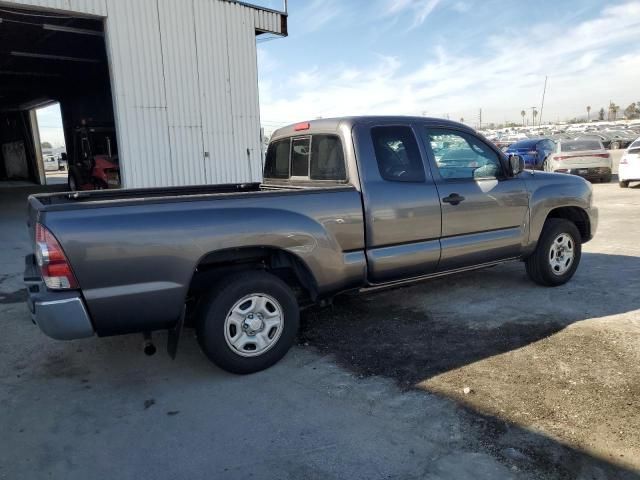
(248, 322)
(557, 255)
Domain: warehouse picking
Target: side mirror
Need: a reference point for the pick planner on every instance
(516, 164)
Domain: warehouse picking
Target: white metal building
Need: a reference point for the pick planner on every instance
(179, 75)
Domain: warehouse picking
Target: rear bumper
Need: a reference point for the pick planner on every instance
(589, 173)
(60, 315)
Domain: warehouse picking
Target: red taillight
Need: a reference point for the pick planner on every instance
(302, 126)
(55, 269)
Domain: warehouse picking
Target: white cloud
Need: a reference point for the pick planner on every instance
(317, 14)
(582, 64)
(421, 9)
(461, 7)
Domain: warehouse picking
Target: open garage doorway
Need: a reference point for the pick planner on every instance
(47, 58)
(52, 144)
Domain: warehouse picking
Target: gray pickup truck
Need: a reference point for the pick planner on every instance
(347, 205)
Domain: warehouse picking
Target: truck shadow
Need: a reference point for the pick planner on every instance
(498, 346)
(417, 332)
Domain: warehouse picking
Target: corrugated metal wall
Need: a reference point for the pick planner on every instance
(184, 81)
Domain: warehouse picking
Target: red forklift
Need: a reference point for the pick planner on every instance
(94, 161)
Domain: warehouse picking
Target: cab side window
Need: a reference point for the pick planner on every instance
(460, 156)
(397, 154)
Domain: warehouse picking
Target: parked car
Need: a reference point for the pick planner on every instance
(534, 151)
(620, 138)
(585, 157)
(347, 205)
(629, 168)
(610, 141)
(51, 163)
(63, 161)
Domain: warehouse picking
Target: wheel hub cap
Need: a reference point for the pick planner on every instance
(561, 254)
(254, 324)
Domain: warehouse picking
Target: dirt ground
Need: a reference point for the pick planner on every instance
(564, 362)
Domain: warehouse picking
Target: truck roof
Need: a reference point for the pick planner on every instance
(333, 124)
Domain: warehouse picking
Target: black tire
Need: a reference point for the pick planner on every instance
(212, 316)
(606, 178)
(624, 184)
(73, 181)
(538, 265)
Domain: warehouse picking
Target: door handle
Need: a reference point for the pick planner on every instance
(453, 199)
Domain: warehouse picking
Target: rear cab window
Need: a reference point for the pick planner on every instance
(316, 157)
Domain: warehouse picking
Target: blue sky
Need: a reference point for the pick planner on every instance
(450, 57)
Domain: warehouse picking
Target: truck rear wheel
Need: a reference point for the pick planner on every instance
(248, 322)
(557, 254)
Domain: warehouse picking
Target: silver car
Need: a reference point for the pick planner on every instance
(584, 157)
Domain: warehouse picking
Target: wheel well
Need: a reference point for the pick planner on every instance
(214, 266)
(576, 215)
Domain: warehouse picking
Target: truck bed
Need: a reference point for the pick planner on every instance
(62, 201)
(68, 198)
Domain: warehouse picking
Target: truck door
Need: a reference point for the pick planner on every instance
(401, 204)
(484, 211)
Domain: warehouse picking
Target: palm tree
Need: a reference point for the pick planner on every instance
(535, 114)
(523, 113)
(588, 113)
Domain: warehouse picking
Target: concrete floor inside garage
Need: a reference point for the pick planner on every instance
(375, 388)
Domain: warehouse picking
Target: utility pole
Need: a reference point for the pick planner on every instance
(480, 119)
(533, 117)
(543, 94)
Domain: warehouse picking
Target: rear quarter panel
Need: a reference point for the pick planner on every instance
(134, 263)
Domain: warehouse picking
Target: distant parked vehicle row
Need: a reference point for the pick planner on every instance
(629, 168)
(611, 139)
